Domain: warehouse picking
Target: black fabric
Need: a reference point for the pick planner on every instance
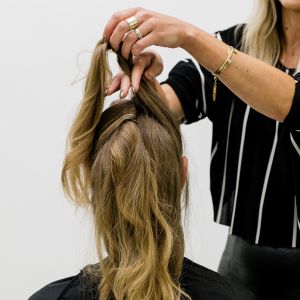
(198, 281)
(293, 118)
(255, 161)
(270, 273)
(55, 289)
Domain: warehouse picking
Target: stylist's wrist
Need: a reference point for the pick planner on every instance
(189, 34)
(202, 46)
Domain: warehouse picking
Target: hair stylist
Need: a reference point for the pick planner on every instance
(244, 80)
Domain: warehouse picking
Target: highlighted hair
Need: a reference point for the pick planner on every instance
(125, 163)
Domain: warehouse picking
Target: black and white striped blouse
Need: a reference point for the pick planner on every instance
(255, 161)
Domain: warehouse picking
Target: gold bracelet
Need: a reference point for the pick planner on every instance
(223, 67)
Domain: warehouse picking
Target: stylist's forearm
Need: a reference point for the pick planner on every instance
(265, 88)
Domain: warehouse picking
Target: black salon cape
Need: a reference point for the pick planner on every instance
(198, 281)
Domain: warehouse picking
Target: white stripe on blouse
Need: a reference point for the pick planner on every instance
(263, 194)
(246, 115)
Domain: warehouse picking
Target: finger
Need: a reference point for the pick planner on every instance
(155, 68)
(131, 38)
(125, 86)
(118, 35)
(140, 64)
(128, 42)
(115, 83)
(147, 41)
(117, 18)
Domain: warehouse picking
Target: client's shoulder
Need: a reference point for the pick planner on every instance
(196, 280)
(202, 283)
(77, 287)
(56, 289)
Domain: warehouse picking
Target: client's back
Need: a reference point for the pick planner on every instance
(126, 164)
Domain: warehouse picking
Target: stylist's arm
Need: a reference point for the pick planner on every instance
(263, 87)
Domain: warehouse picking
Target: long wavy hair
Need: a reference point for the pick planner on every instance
(125, 163)
(263, 35)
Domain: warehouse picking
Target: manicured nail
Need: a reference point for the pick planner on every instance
(121, 94)
(104, 37)
(150, 76)
(133, 89)
(106, 92)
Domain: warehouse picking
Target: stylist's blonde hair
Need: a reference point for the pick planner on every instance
(125, 163)
(263, 35)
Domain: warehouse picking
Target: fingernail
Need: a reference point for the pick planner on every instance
(151, 77)
(121, 94)
(104, 37)
(133, 89)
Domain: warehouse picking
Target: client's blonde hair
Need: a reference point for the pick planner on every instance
(125, 162)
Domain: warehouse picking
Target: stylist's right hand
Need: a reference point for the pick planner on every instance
(156, 29)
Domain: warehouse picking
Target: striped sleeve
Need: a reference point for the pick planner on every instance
(293, 117)
(193, 86)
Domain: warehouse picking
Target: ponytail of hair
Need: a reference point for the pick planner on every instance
(125, 162)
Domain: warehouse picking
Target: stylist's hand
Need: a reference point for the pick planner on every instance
(148, 64)
(156, 29)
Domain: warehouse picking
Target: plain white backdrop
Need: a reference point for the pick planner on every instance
(42, 237)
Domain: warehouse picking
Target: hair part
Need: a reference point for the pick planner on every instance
(125, 163)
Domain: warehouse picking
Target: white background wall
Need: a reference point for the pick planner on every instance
(41, 237)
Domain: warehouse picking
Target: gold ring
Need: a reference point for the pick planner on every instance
(138, 33)
(132, 23)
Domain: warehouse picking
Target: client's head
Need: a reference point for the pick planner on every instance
(126, 163)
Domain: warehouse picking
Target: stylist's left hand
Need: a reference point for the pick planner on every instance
(156, 29)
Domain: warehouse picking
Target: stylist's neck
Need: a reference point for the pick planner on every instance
(291, 31)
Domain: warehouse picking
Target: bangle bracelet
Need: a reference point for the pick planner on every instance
(222, 68)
